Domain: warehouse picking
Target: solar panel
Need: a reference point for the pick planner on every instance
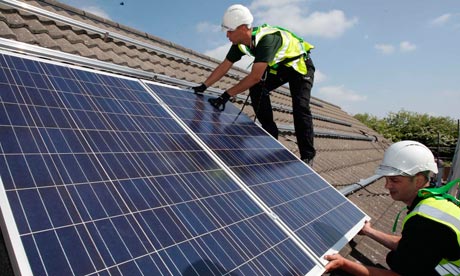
(99, 178)
(317, 213)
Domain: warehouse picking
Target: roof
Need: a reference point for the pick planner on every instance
(347, 151)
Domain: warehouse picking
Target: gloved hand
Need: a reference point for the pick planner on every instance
(219, 102)
(199, 89)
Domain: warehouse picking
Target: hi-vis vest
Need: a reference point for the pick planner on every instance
(292, 46)
(447, 213)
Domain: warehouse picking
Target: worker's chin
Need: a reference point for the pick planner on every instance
(394, 195)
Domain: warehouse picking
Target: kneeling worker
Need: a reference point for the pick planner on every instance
(430, 237)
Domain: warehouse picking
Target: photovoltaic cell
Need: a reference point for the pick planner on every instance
(99, 179)
(319, 215)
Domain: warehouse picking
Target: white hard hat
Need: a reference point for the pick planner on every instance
(235, 16)
(407, 158)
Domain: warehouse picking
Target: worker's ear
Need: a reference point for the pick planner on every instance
(420, 180)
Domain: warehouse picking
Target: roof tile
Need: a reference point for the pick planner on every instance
(6, 32)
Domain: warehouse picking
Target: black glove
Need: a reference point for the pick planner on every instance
(199, 89)
(219, 102)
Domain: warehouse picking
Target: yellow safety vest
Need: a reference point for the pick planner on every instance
(444, 212)
(292, 46)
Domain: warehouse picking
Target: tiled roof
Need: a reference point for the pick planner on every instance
(347, 150)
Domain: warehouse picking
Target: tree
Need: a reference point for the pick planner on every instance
(373, 122)
(407, 125)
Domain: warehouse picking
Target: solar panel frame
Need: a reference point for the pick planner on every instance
(96, 167)
(225, 131)
(201, 103)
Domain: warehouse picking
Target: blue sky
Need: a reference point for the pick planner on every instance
(371, 56)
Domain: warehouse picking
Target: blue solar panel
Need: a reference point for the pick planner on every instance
(98, 178)
(320, 216)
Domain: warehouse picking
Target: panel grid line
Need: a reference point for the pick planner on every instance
(107, 174)
(226, 129)
(103, 208)
(234, 176)
(41, 199)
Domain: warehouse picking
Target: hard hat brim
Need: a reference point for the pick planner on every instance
(389, 171)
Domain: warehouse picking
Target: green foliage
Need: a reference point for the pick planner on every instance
(406, 125)
(373, 122)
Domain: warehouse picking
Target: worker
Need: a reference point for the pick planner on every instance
(279, 57)
(430, 237)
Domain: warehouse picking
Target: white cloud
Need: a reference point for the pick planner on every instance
(329, 24)
(388, 49)
(349, 100)
(385, 48)
(406, 46)
(97, 11)
(320, 77)
(220, 53)
(441, 20)
(273, 3)
(204, 27)
(339, 95)
(332, 24)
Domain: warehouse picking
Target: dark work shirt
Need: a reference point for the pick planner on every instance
(264, 51)
(424, 243)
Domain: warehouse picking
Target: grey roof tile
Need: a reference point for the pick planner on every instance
(14, 19)
(44, 40)
(24, 35)
(55, 32)
(6, 32)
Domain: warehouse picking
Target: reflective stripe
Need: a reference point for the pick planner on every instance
(446, 213)
(264, 30)
(245, 50)
(448, 269)
(282, 52)
(438, 214)
(291, 47)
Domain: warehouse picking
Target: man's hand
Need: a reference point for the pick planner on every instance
(353, 268)
(335, 262)
(220, 102)
(367, 228)
(199, 89)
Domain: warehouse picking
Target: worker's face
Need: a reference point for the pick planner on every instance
(236, 36)
(403, 188)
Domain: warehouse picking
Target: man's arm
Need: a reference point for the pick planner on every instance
(336, 261)
(218, 72)
(254, 77)
(387, 240)
(257, 71)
